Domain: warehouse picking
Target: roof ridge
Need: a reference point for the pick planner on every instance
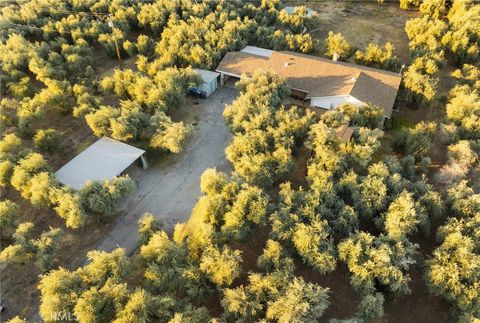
(346, 64)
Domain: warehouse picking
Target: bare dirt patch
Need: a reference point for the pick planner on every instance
(362, 23)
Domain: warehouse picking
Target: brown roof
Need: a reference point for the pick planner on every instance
(238, 63)
(320, 76)
(344, 132)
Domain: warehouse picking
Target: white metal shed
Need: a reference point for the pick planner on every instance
(210, 81)
(104, 159)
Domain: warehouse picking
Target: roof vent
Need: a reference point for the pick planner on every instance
(335, 57)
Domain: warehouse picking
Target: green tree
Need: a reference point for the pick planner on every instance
(336, 44)
(141, 306)
(402, 217)
(147, 226)
(59, 290)
(421, 80)
(9, 212)
(301, 302)
(425, 35)
(100, 304)
(433, 8)
(221, 266)
(46, 140)
(377, 261)
(378, 57)
(274, 257)
(26, 248)
(298, 21)
(314, 243)
(454, 273)
(99, 120)
(463, 110)
(462, 37)
(100, 198)
(28, 173)
(169, 136)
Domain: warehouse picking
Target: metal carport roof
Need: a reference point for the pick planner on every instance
(104, 159)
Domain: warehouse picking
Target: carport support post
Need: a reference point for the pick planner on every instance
(222, 79)
(144, 161)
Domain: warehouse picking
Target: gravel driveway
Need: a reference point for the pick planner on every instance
(170, 191)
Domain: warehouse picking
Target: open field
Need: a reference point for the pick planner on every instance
(362, 23)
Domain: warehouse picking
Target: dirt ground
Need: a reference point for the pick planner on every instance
(168, 189)
(354, 21)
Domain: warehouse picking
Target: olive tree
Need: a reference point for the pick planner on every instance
(373, 259)
(46, 140)
(9, 212)
(336, 44)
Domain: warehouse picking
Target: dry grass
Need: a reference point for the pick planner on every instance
(362, 23)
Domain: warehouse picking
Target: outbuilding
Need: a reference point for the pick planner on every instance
(104, 159)
(210, 81)
(291, 10)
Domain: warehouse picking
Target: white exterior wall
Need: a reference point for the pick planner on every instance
(210, 80)
(209, 87)
(330, 102)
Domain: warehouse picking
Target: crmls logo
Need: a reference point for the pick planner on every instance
(63, 316)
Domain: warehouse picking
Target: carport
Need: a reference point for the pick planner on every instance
(104, 159)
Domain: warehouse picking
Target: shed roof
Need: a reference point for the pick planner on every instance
(344, 132)
(320, 76)
(206, 75)
(104, 159)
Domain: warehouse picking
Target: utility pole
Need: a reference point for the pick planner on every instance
(111, 25)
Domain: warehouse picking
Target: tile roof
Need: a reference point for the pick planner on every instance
(320, 76)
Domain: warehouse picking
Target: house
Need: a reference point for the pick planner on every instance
(321, 83)
(210, 81)
(104, 159)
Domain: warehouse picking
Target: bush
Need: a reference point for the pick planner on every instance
(46, 140)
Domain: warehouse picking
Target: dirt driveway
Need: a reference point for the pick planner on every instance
(170, 188)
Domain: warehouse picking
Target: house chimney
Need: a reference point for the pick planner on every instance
(335, 57)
